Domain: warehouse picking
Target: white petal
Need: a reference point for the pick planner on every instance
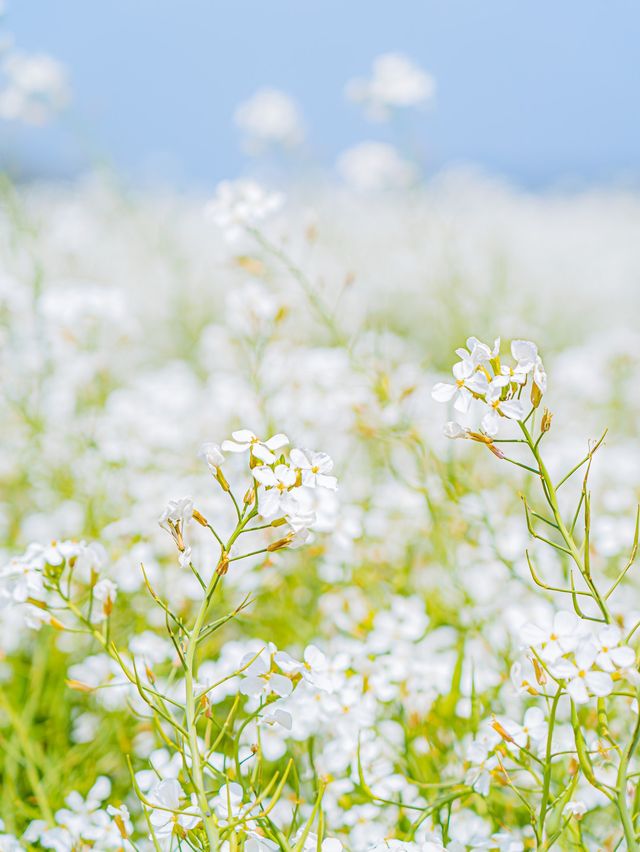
(325, 481)
(610, 636)
(276, 442)
(599, 683)
(524, 350)
(577, 690)
(463, 401)
(244, 436)
(299, 458)
(252, 686)
(233, 447)
(513, 409)
(491, 422)
(455, 430)
(262, 453)
(443, 392)
(280, 685)
(264, 475)
(269, 505)
(532, 634)
(623, 657)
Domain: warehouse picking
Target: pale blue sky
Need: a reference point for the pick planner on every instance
(537, 90)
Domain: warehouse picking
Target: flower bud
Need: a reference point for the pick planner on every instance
(504, 734)
(280, 543)
(547, 417)
(200, 518)
(222, 480)
(536, 395)
(541, 675)
(223, 564)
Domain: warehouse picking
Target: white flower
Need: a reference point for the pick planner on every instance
(540, 375)
(562, 636)
(610, 654)
(483, 761)
(277, 500)
(581, 679)
(167, 795)
(276, 716)
(228, 800)
(177, 512)
(467, 383)
(270, 116)
(396, 82)
(454, 430)
(510, 408)
(315, 468)
(374, 167)
(122, 818)
(212, 454)
(575, 808)
(329, 844)
(477, 352)
(105, 591)
(175, 517)
(259, 679)
(241, 204)
(532, 730)
(244, 439)
(35, 87)
(314, 667)
(525, 353)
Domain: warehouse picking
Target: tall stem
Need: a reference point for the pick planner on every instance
(191, 710)
(552, 499)
(546, 783)
(621, 783)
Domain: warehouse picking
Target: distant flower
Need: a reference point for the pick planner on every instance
(269, 117)
(32, 87)
(575, 808)
(375, 166)
(241, 204)
(396, 82)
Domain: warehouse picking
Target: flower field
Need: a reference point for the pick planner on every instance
(318, 501)
(389, 640)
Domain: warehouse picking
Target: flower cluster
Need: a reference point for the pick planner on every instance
(587, 661)
(480, 375)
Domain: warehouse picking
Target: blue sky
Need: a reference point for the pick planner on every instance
(539, 92)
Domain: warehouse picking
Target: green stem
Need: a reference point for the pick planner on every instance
(621, 783)
(574, 552)
(32, 773)
(546, 783)
(191, 715)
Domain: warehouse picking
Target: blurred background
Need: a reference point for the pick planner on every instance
(542, 93)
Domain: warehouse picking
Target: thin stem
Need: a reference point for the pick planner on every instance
(546, 782)
(574, 551)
